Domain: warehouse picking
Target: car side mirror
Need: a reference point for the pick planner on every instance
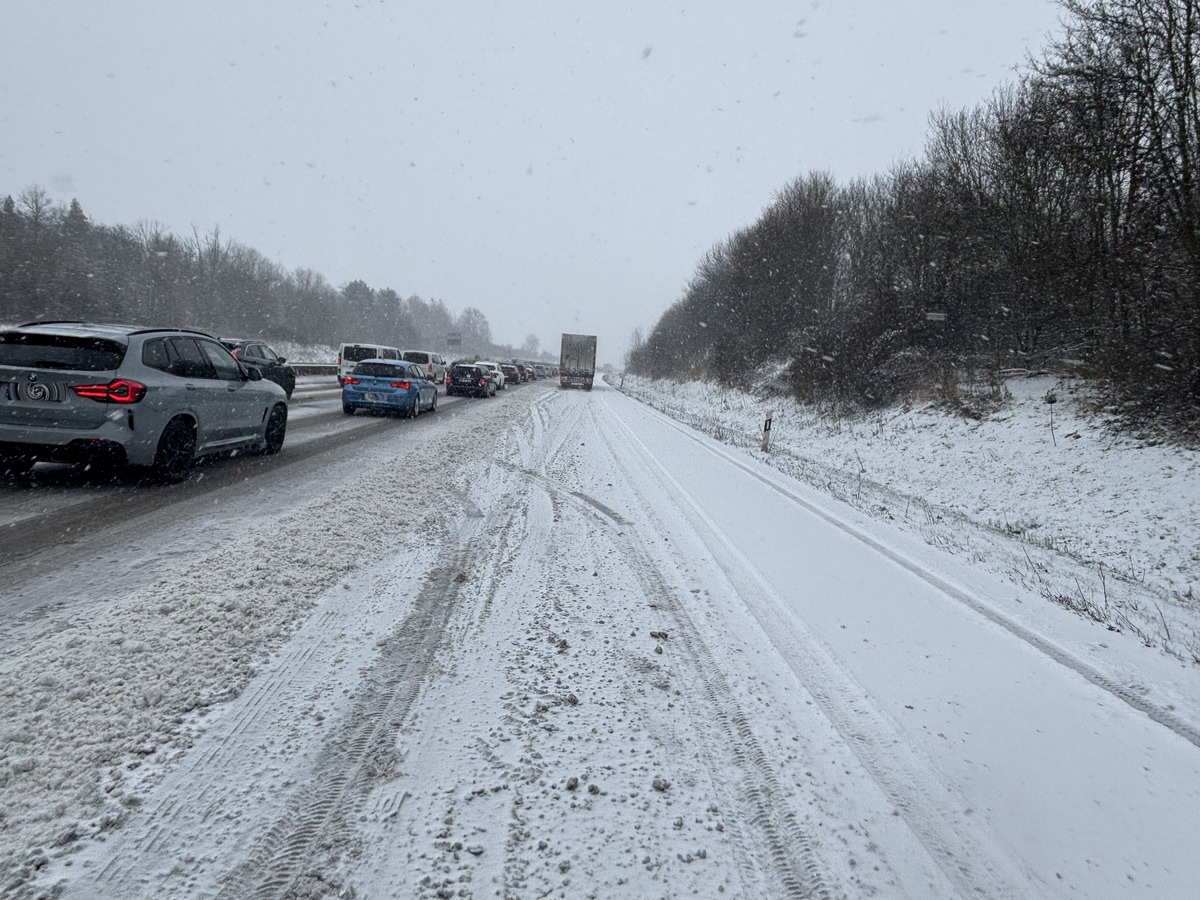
(282, 360)
(253, 373)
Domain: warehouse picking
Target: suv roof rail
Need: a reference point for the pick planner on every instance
(130, 329)
(175, 330)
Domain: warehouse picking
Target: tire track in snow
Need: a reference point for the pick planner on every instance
(366, 752)
(312, 829)
(786, 844)
(548, 442)
(938, 817)
(204, 774)
(538, 669)
(518, 553)
(306, 844)
(791, 848)
(497, 558)
(1187, 730)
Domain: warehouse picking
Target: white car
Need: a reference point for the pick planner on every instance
(433, 363)
(494, 370)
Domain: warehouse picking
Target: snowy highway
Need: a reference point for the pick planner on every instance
(553, 644)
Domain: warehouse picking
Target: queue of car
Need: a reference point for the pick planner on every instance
(383, 384)
(114, 396)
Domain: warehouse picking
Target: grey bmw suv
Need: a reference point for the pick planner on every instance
(119, 395)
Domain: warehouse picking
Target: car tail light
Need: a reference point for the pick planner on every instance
(119, 390)
(350, 380)
(482, 382)
(403, 385)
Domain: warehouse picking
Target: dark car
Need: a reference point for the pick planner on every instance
(258, 354)
(389, 386)
(511, 375)
(471, 380)
(111, 395)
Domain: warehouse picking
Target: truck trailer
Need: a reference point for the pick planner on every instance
(577, 361)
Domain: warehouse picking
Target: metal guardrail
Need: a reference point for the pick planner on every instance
(315, 368)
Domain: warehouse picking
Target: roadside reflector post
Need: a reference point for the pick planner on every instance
(766, 443)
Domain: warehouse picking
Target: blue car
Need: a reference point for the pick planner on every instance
(389, 385)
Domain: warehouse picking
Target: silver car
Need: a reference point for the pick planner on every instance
(433, 364)
(115, 395)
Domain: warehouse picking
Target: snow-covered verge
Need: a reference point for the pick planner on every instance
(1093, 518)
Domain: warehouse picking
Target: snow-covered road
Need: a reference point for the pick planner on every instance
(582, 651)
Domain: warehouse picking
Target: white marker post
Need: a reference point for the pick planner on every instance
(766, 444)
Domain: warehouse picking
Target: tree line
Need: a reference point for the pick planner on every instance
(55, 263)
(1055, 224)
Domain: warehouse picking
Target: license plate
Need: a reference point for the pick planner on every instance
(38, 392)
(374, 398)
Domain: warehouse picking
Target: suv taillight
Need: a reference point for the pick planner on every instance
(119, 390)
(403, 385)
(350, 380)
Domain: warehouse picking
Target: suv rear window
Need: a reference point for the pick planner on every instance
(415, 356)
(60, 351)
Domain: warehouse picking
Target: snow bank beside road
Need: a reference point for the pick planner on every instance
(1094, 519)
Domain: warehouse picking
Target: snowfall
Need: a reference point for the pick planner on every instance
(613, 644)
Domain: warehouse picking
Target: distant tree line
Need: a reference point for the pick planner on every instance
(1058, 221)
(57, 264)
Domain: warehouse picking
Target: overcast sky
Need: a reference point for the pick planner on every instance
(562, 166)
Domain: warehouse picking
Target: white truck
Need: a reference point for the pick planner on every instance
(577, 361)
